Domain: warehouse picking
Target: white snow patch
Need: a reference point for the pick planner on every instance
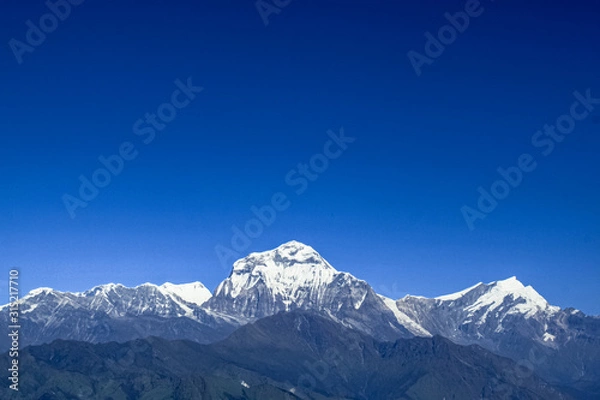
(549, 337)
(33, 307)
(360, 301)
(195, 292)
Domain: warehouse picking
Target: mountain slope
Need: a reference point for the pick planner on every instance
(286, 356)
(513, 320)
(337, 360)
(482, 311)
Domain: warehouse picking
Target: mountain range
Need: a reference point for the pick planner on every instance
(529, 346)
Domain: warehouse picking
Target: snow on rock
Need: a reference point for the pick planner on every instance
(529, 301)
(549, 337)
(510, 292)
(288, 271)
(38, 291)
(404, 320)
(295, 277)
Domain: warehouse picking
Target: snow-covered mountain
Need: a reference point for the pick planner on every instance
(515, 321)
(506, 317)
(483, 311)
(116, 300)
(295, 277)
(291, 276)
(115, 312)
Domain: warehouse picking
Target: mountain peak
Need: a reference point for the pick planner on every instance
(290, 276)
(41, 290)
(288, 255)
(194, 292)
(294, 243)
(104, 288)
(527, 301)
(511, 283)
(494, 295)
(295, 249)
(512, 286)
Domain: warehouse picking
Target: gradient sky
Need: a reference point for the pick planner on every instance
(388, 210)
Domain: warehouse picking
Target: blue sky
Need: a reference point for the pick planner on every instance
(387, 210)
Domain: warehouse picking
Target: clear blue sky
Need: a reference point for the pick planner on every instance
(388, 210)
